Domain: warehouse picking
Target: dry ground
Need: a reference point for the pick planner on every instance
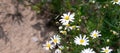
(19, 33)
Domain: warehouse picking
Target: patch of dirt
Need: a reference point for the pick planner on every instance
(20, 34)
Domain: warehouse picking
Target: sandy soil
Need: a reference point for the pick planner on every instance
(19, 33)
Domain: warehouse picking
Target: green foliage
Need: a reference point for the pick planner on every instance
(118, 50)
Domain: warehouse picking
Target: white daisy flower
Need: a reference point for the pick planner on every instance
(106, 50)
(68, 28)
(116, 2)
(58, 51)
(74, 27)
(95, 34)
(81, 41)
(66, 18)
(88, 51)
(56, 39)
(48, 45)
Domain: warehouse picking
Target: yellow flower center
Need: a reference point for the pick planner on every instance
(116, 0)
(64, 32)
(73, 27)
(95, 35)
(106, 51)
(68, 25)
(55, 40)
(82, 41)
(67, 17)
(48, 45)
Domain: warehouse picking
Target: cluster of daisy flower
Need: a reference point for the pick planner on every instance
(67, 18)
(89, 50)
(79, 40)
(55, 41)
(83, 40)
